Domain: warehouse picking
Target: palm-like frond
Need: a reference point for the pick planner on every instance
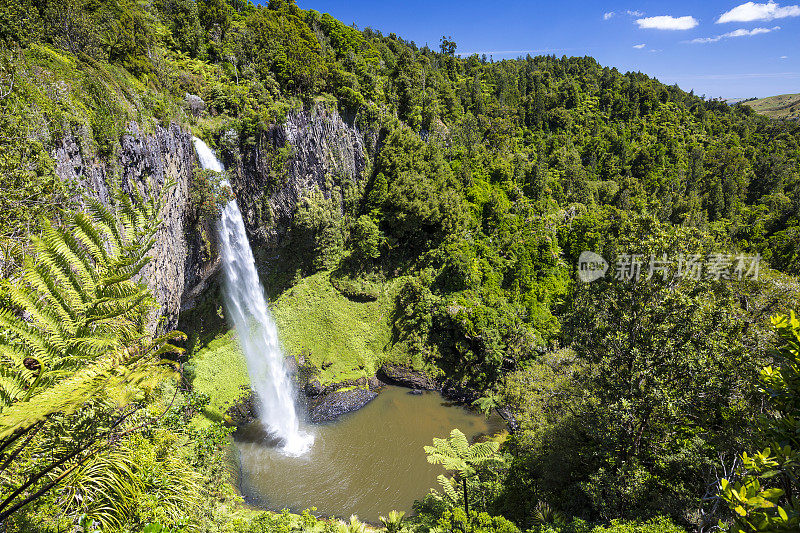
(455, 453)
(394, 522)
(448, 488)
(78, 299)
(74, 342)
(116, 375)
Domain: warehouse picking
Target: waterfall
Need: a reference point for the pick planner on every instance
(247, 307)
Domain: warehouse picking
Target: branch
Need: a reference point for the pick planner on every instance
(10, 88)
(39, 475)
(34, 478)
(13, 437)
(21, 447)
(41, 491)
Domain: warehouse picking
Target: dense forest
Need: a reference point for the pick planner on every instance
(635, 396)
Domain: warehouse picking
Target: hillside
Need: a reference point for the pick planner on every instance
(782, 106)
(407, 207)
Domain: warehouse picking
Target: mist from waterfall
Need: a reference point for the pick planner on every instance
(247, 307)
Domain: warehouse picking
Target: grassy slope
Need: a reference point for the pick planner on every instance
(220, 372)
(317, 322)
(781, 106)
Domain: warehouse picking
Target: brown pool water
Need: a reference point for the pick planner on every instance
(366, 463)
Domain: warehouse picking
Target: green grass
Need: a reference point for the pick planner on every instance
(219, 371)
(781, 106)
(317, 321)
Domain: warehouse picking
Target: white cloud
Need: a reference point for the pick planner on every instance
(634, 13)
(751, 11)
(608, 15)
(667, 22)
(735, 33)
(655, 50)
(784, 57)
(639, 46)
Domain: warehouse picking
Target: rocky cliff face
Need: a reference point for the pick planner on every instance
(148, 162)
(310, 149)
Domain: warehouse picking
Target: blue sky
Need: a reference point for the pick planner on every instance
(718, 48)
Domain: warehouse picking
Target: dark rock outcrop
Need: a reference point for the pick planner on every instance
(328, 402)
(313, 387)
(508, 416)
(331, 406)
(243, 412)
(324, 152)
(406, 377)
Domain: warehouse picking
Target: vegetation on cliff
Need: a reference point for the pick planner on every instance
(486, 182)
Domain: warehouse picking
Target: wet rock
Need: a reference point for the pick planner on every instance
(332, 406)
(415, 392)
(313, 388)
(406, 377)
(290, 363)
(374, 383)
(348, 383)
(507, 415)
(243, 412)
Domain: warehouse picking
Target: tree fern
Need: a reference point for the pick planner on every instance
(73, 342)
(78, 297)
(394, 522)
(455, 454)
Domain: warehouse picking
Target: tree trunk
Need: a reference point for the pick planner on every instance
(466, 501)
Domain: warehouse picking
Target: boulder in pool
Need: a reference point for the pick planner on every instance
(313, 387)
(407, 377)
(331, 406)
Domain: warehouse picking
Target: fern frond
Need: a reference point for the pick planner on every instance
(459, 443)
(41, 315)
(483, 450)
(107, 224)
(110, 374)
(88, 235)
(35, 343)
(65, 266)
(61, 301)
(69, 247)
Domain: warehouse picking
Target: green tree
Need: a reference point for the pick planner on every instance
(455, 454)
(764, 496)
(366, 238)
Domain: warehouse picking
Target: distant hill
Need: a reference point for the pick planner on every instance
(781, 106)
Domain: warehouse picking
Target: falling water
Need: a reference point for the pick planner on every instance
(247, 306)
